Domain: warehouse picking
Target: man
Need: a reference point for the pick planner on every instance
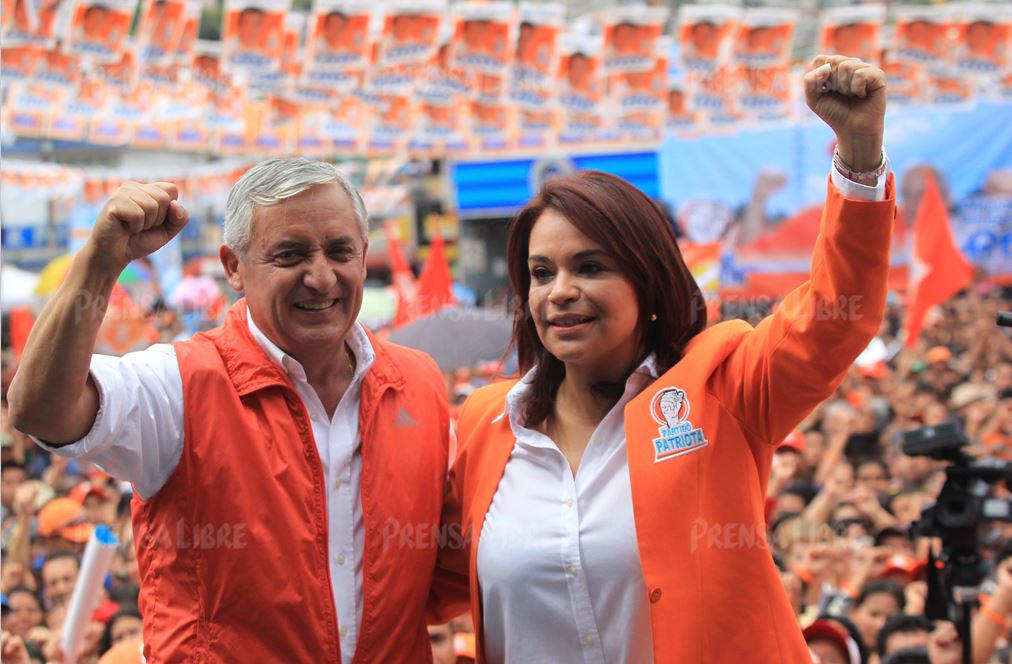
(288, 467)
(335, 34)
(248, 26)
(59, 575)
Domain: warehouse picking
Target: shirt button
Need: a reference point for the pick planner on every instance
(573, 571)
(570, 503)
(655, 595)
(589, 639)
(343, 632)
(340, 559)
(338, 483)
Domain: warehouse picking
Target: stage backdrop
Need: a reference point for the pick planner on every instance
(756, 193)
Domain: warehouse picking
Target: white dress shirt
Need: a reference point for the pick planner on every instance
(558, 562)
(138, 437)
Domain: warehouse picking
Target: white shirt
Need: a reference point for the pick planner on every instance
(138, 437)
(558, 562)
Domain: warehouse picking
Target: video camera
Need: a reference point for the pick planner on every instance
(962, 506)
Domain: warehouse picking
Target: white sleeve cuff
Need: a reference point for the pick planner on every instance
(860, 192)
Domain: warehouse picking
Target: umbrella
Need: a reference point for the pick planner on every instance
(457, 337)
(136, 277)
(17, 287)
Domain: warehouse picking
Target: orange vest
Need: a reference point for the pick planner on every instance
(698, 486)
(233, 549)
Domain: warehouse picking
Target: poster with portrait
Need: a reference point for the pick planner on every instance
(159, 29)
(765, 35)
(483, 37)
(19, 62)
(580, 86)
(343, 127)
(410, 32)
(490, 125)
(536, 130)
(983, 35)
(277, 125)
(678, 115)
(905, 81)
(392, 120)
(122, 74)
(31, 105)
(706, 36)
(33, 22)
(190, 135)
(853, 31)
(190, 31)
(765, 93)
(262, 83)
(630, 37)
(59, 70)
(252, 34)
(99, 28)
(714, 95)
(69, 120)
(923, 35)
(337, 39)
(535, 62)
(637, 98)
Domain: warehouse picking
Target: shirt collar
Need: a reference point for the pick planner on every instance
(641, 376)
(357, 340)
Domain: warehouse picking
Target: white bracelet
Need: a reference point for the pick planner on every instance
(868, 178)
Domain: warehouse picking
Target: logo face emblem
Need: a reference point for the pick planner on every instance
(670, 409)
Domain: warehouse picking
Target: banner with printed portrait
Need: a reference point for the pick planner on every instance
(580, 89)
(483, 37)
(983, 35)
(252, 34)
(99, 28)
(706, 35)
(410, 32)
(535, 62)
(159, 30)
(34, 22)
(337, 38)
(854, 31)
(189, 34)
(630, 38)
(20, 62)
(636, 100)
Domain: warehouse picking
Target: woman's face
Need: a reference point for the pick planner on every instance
(585, 310)
(125, 627)
(872, 614)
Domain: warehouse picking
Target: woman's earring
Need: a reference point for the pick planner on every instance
(653, 317)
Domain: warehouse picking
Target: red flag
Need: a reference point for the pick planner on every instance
(403, 280)
(20, 325)
(435, 283)
(938, 270)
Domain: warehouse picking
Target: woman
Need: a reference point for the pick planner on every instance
(611, 501)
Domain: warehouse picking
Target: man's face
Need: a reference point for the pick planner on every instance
(441, 640)
(10, 480)
(474, 35)
(978, 38)
(704, 39)
(96, 19)
(625, 38)
(334, 26)
(248, 28)
(58, 579)
(303, 271)
(579, 73)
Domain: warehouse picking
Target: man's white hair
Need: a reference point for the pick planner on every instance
(273, 181)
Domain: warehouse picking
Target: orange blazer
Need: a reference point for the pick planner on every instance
(699, 475)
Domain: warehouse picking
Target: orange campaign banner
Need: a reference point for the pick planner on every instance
(20, 62)
(121, 74)
(637, 100)
(29, 106)
(765, 93)
(278, 126)
(31, 23)
(983, 39)
(188, 34)
(410, 32)
(59, 70)
(630, 38)
(581, 89)
(537, 55)
(854, 31)
(98, 30)
(706, 36)
(923, 36)
(482, 37)
(765, 36)
(338, 36)
(252, 34)
(491, 125)
(392, 119)
(678, 115)
(160, 29)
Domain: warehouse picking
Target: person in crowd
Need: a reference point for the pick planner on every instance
(597, 490)
(281, 450)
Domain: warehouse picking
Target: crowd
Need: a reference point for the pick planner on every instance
(842, 500)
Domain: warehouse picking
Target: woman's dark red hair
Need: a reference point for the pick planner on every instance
(631, 228)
